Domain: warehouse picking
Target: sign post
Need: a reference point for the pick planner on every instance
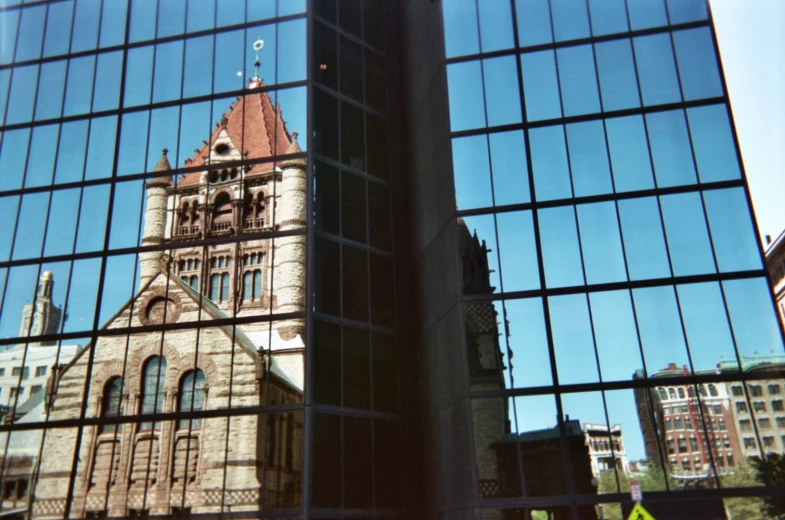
(635, 491)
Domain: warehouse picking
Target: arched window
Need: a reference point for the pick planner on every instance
(701, 390)
(257, 284)
(222, 208)
(663, 395)
(191, 397)
(247, 291)
(713, 391)
(194, 283)
(253, 258)
(215, 280)
(184, 216)
(112, 405)
(682, 395)
(671, 393)
(153, 377)
(225, 287)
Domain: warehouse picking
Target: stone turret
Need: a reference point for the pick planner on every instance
(154, 219)
(290, 269)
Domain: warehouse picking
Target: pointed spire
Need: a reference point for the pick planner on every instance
(162, 166)
(294, 147)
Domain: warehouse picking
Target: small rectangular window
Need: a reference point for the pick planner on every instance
(764, 424)
(40, 371)
(682, 445)
(776, 406)
(745, 425)
(749, 443)
(737, 391)
(774, 389)
(741, 407)
(677, 423)
(768, 442)
(759, 406)
(35, 389)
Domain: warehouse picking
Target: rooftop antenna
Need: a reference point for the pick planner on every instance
(258, 45)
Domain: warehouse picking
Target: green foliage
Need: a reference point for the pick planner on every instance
(742, 508)
(770, 471)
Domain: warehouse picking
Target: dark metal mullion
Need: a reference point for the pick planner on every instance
(606, 197)
(350, 100)
(356, 171)
(349, 242)
(307, 428)
(268, 352)
(6, 462)
(150, 106)
(575, 42)
(176, 404)
(353, 323)
(146, 175)
(15, 236)
(145, 43)
(342, 32)
(103, 253)
(102, 273)
(621, 241)
(37, 468)
(646, 109)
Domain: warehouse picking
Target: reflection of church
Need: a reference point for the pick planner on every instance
(163, 467)
(511, 464)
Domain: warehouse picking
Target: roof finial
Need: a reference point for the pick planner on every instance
(258, 45)
(295, 134)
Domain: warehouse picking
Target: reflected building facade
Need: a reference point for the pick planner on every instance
(508, 230)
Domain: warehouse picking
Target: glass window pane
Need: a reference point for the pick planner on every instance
(30, 226)
(589, 159)
(578, 80)
(706, 325)
(171, 18)
(629, 153)
(540, 86)
(13, 155)
(495, 25)
(479, 254)
(61, 229)
(732, 232)
(198, 68)
(168, 71)
(656, 69)
(644, 244)
(8, 209)
(526, 343)
(113, 23)
(570, 19)
(71, 152)
(50, 92)
(103, 132)
(561, 255)
(713, 144)
(31, 32)
(10, 22)
(684, 11)
(616, 67)
(57, 34)
(143, 16)
(502, 97)
(326, 198)
(510, 174)
(549, 163)
(518, 251)
(107, 81)
(20, 101)
(608, 16)
(43, 148)
(752, 317)
(352, 136)
(465, 89)
(688, 238)
(616, 335)
(698, 69)
(78, 95)
(576, 360)
(353, 207)
(647, 13)
(471, 171)
(354, 276)
(126, 214)
(85, 33)
(603, 259)
(660, 328)
(92, 219)
(670, 148)
(534, 22)
(139, 70)
(460, 27)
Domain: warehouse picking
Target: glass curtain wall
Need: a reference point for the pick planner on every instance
(153, 193)
(619, 322)
(356, 448)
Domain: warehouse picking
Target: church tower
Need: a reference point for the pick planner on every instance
(154, 219)
(41, 317)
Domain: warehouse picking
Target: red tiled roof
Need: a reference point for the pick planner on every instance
(255, 126)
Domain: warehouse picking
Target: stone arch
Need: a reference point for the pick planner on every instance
(155, 293)
(219, 192)
(140, 356)
(206, 364)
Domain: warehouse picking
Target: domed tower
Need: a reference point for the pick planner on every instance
(154, 219)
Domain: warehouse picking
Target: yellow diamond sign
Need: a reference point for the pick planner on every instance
(638, 513)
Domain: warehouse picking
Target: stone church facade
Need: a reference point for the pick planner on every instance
(210, 464)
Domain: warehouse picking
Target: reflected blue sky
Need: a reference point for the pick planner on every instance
(83, 149)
